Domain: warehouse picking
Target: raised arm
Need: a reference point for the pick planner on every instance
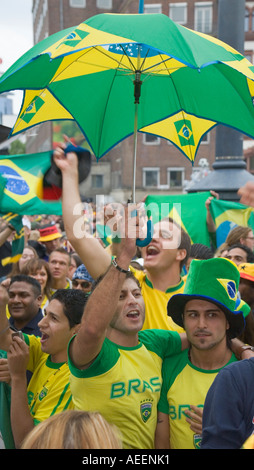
(93, 255)
(5, 233)
(102, 303)
(21, 419)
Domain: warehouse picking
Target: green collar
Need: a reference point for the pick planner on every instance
(53, 365)
(170, 289)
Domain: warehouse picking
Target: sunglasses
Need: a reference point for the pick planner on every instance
(83, 284)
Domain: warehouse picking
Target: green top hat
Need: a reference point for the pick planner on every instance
(215, 280)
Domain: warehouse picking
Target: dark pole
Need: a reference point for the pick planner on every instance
(229, 169)
(141, 6)
(229, 142)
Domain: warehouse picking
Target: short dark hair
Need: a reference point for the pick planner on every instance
(129, 275)
(29, 280)
(73, 302)
(250, 255)
(200, 251)
(62, 251)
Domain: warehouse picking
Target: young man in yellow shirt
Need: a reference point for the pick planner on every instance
(208, 312)
(163, 257)
(115, 367)
(48, 391)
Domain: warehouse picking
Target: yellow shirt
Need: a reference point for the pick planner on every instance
(156, 303)
(184, 385)
(124, 385)
(49, 388)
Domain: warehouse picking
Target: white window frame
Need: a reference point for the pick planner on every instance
(155, 169)
(153, 8)
(198, 6)
(156, 141)
(95, 186)
(169, 169)
(104, 4)
(182, 4)
(73, 3)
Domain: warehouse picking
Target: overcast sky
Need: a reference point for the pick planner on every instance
(16, 33)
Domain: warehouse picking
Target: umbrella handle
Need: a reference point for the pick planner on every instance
(148, 239)
(74, 148)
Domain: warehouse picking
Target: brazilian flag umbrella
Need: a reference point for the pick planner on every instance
(119, 74)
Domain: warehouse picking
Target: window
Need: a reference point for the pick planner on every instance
(153, 8)
(203, 17)
(78, 3)
(206, 138)
(151, 177)
(97, 181)
(246, 20)
(251, 160)
(178, 12)
(105, 4)
(151, 139)
(175, 177)
(117, 179)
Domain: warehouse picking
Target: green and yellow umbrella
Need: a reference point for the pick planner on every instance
(117, 75)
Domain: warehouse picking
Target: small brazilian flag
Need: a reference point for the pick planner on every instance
(18, 241)
(32, 109)
(227, 215)
(23, 189)
(184, 131)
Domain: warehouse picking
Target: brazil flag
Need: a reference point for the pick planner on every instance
(23, 189)
(227, 215)
(188, 210)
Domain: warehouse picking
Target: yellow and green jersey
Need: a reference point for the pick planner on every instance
(184, 385)
(124, 385)
(49, 388)
(156, 303)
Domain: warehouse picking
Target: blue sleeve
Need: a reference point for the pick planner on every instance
(228, 407)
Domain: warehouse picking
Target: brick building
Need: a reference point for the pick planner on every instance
(160, 165)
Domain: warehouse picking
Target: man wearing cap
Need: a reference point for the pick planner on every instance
(207, 312)
(50, 238)
(81, 279)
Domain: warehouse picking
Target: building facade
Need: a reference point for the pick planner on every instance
(160, 165)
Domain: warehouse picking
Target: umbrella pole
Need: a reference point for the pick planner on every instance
(137, 90)
(135, 154)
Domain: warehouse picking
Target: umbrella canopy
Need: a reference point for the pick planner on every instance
(184, 82)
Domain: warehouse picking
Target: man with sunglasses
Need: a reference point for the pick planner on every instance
(82, 280)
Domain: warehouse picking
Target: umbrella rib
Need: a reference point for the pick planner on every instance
(119, 64)
(159, 63)
(100, 51)
(181, 107)
(110, 57)
(128, 57)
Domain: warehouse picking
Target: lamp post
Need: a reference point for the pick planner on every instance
(229, 169)
(141, 6)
